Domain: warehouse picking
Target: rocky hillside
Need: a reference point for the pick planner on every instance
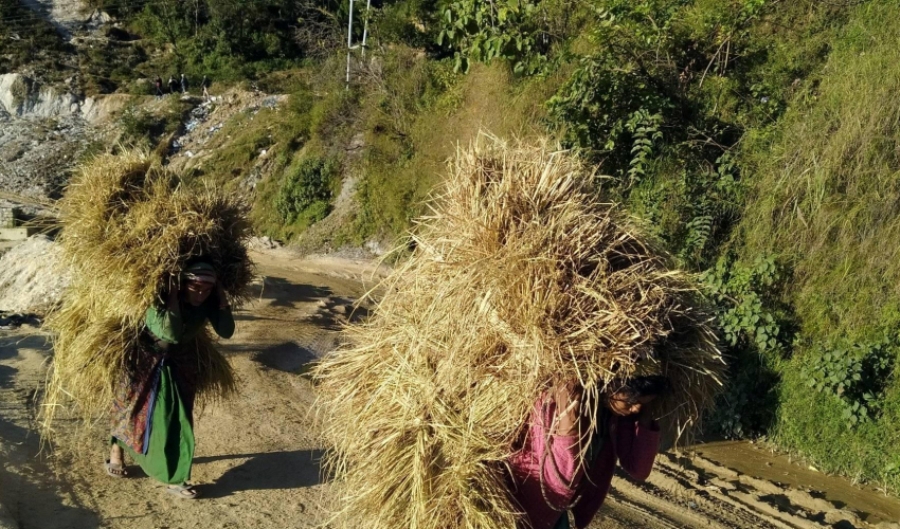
(44, 132)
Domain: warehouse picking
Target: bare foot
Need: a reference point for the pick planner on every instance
(115, 465)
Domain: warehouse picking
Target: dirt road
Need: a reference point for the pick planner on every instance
(257, 455)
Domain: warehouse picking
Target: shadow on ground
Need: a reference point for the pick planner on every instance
(283, 293)
(336, 312)
(287, 356)
(10, 345)
(31, 493)
(265, 471)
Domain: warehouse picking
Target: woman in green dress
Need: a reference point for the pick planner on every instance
(152, 416)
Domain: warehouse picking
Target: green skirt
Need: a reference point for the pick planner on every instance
(170, 448)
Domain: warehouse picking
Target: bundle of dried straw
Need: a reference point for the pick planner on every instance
(129, 226)
(521, 278)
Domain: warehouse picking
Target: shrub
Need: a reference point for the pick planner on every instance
(305, 192)
(139, 127)
(857, 374)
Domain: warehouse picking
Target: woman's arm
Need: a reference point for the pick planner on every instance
(560, 429)
(637, 443)
(221, 318)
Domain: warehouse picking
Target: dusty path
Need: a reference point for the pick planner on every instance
(257, 455)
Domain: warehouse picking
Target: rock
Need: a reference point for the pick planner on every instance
(375, 247)
(32, 277)
(263, 243)
(20, 96)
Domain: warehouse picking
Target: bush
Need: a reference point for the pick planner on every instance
(305, 192)
(141, 128)
(857, 374)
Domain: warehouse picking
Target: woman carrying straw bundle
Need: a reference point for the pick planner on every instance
(153, 410)
(152, 257)
(557, 469)
(523, 279)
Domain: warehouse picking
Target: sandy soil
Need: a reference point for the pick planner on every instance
(258, 455)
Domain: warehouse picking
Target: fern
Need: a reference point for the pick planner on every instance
(644, 128)
(698, 231)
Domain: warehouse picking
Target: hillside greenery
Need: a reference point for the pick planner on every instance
(27, 41)
(757, 139)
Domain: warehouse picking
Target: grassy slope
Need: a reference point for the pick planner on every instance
(27, 42)
(408, 120)
(826, 197)
(399, 172)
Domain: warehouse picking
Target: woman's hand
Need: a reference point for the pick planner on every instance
(568, 409)
(223, 298)
(647, 415)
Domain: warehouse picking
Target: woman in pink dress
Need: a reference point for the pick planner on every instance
(555, 471)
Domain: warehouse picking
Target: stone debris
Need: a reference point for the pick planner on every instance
(32, 277)
(263, 243)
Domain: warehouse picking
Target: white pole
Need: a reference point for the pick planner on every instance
(349, 41)
(366, 27)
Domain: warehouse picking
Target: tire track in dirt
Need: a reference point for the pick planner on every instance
(696, 492)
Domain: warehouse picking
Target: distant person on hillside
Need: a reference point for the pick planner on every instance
(173, 86)
(184, 84)
(557, 468)
(158, 84)
(204, 88)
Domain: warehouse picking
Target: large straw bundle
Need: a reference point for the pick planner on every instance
(128, 227)
(520, 279)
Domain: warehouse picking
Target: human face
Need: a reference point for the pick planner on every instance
(624, 404)
(196, 292)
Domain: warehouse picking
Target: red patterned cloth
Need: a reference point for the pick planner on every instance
(133, 402)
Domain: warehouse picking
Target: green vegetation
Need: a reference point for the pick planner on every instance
(757, 139)
(28, 42)
(857, 375)
(824, 197)
(306, 192)
(144, 129)
(227, 40)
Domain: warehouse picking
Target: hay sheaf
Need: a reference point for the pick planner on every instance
(129, 227)
(521, 278)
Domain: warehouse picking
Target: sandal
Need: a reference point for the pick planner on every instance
(185, 491)
(115, 470)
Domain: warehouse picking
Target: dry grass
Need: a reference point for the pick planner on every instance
(521, 279)
(129, 227)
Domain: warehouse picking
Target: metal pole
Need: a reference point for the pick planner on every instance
(366, 27)
(349, 42)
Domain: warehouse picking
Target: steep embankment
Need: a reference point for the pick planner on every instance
(824, 206)
(44, 131)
